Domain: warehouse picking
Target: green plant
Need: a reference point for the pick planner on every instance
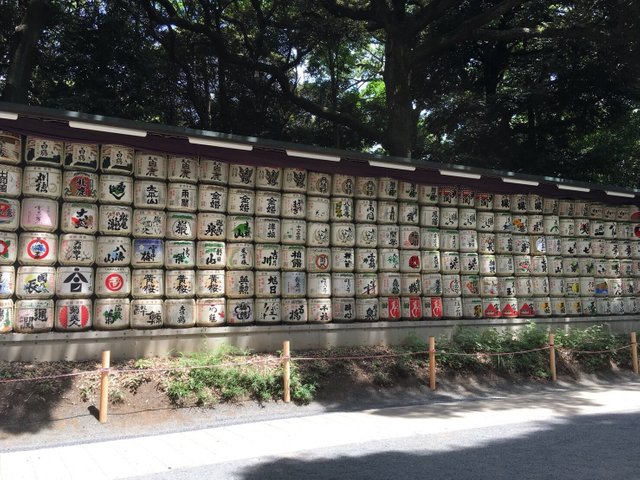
(581, 342)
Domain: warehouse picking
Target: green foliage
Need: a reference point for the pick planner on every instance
(593, 339)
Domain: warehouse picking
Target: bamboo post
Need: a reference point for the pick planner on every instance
(432, 363)
(104, 386)
(287, 371)
(634, 352)
(552, 357)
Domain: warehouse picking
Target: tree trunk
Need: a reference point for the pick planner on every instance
(24, 56)
(401, 117)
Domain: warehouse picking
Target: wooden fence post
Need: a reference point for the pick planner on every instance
(432, 363)
(634, 352)
(104, 386)
(552, 357)
(286, 351)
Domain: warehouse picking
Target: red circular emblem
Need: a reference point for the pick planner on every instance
(4, 248)
(114, 282)
(38, 248)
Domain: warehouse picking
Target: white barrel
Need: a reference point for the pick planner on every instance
(239, 284)
(268, 311)
(9, 248)
(451, 285)
(558, 306)
(572, 286)
(566, 208)
(467, 218)
(240, 201)
(367, 187)
(466, 197)
(294, 232)
(211, 312)
(366, 234)
(343, 259)
(268, 256)
(210, 283)
(486, 243)
(114, 219)
(342, 209)
(535, 224)
(518, 203)
(587, 286)
(388, 236)
(79, 186)
(293, 258)
(501, 202)
(504, 243)
(83, 218)
(366, 210)
(213, 198)
(526, 308)
(318, 259)
(523, 286)
(483, 201)
(344, 309)
(491, 308)
(269, 178)
(540, 286)
(389, 260)
(409, 237)
(389, 309)
(489, 286)
(595, 210)
(507, 287)
(147, 224)
(150, 165)
(294, 310)
(43, 151)
(240, 228)
(581, 208)
(617, 306)
(626, 268)
(211, 255)
(603, 306)
(318, 209)
(294, 180)
(538, 244)
(243, 176)
(520, 222)
(430, 261)
(452, 308)
(111, 313)
(147, 253)
(625, 231)
(36, 214)
(539, 265)
(429, 216)
(615, 287)
(583, 247)
(408, 213)
(449, 218)
(343, 185)
(631, 305)
(470, 285)
(567, 227)
(366, 285)
(388, 188)
(115, 189)
(509, 307)
(553, 245)
(471, 307)
(410, 261)
(113, 251)
(389, 284)
(181, 254)
(542, 306)
(568, 246)
(522, 265)
(504, 265)
(150, 194)
(551, 224)
(556, 286)
(450, 262)
(408, 191)
(503, 222)
(623, 213)
(570, 266)
(37, 248)
(448, 195)
(573, 306)
(42, 182)
(180, 313)
(411, 308)
(8, 281)
(450, 240)
(113, 281)
(586, 266)
(147, 283)
(521, 245)
(582, 227)
(294, 284)
(485, 221)
(598, 248)
(612, 249)
(319, 183)
(432, 284)
(535, 203)
(367, 310)
(180, 226)
(319, 234)
(10, 147)
(588, 306)
(75, 249)
(319, 285)
(487, 264)
(179, 283)
(74, 282)
(240, 256)
(432, 307)
(388, 212)
(267, 284)
(430, 239)
(116, 159)
(147, 313)
(625, 249)
(319, 310)
(33, 316)
(610, 230)
(596, 228)
(343, 284)
(267, 230)
(410, 284)
(367, 259)
(240, 311)
(427, 195)
(11, 181)
(468, 241)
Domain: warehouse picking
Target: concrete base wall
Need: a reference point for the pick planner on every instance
(131, 344)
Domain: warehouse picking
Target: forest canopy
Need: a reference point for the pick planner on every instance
(550, 88)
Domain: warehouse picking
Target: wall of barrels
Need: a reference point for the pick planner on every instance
(104, 237)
